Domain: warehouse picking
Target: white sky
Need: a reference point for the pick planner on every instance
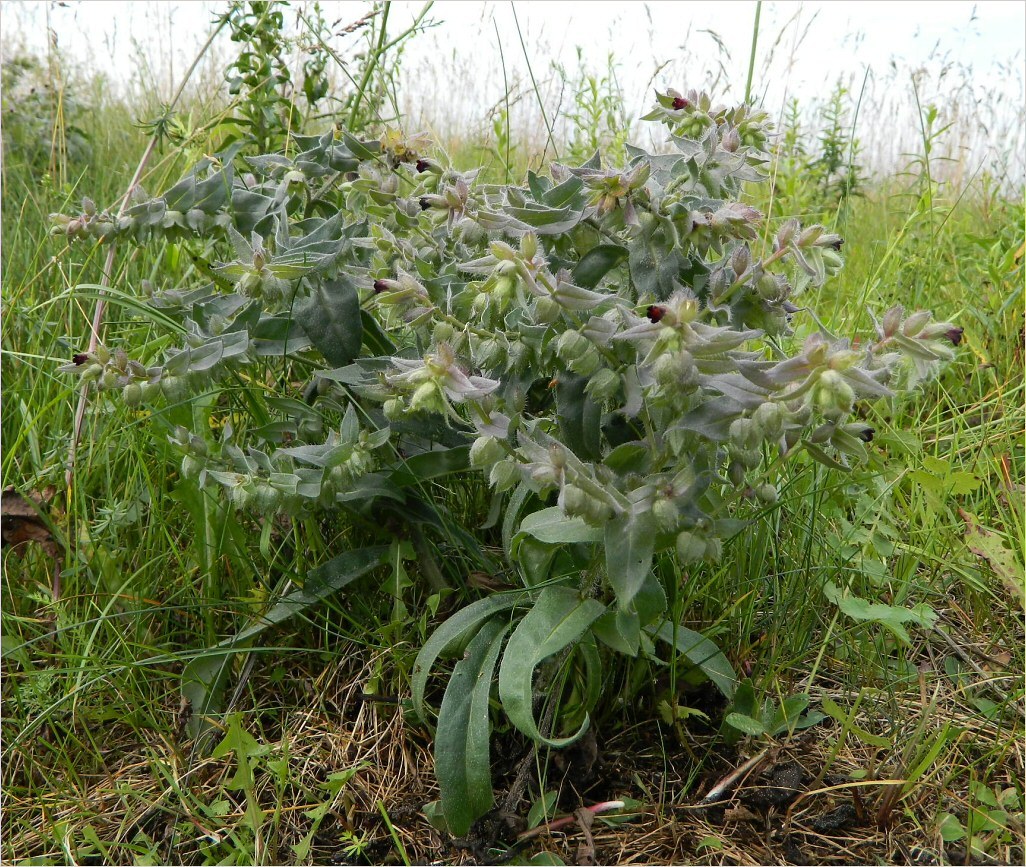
(452, 74)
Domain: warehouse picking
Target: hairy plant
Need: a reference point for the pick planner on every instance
(612, 347)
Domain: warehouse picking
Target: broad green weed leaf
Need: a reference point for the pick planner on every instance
(894, 617)
(746, 724)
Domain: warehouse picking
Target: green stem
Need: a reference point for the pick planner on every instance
(372, 63)
(751, 56)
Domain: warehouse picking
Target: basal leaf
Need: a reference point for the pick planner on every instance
(461, 744)
(462, 624)
(559, 617)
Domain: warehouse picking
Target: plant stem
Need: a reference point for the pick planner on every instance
(105, 278)
(751, 56)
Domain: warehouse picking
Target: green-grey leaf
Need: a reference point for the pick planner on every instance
(330, 315)
(700, 651)
(553, 526)
(463, 623)
(596, 263)
(559, 617)
(579, 417)
(630, 543)
(462, 763)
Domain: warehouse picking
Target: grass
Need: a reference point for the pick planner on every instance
(318, 763)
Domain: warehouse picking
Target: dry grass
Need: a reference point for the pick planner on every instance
(816, 799)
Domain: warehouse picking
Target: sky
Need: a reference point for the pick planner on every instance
(453, 73)
(842, 36)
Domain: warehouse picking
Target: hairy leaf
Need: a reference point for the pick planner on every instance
(558, 618)
(461, 743)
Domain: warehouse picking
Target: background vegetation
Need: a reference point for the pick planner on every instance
(919, 755)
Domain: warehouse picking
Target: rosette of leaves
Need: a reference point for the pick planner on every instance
(613, 345)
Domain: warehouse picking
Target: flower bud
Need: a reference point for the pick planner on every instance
(766, 493)
(676, 370)
(741, 259)
(546, 311)
(588, 363)
(916, 322)
(572, 345)
(786, 233)
(578, 503)
(427, 398)
(690, 547)
(175, 388)
(745, 434)
(770, 417)
(191, 467)
(486, 451)
(603, 385)
(443, 332)
(265, 499)
(832, 396)
(131, 394)
(736, 473)
(666, 513)
(490, 353)
(91, 372)
(891, 321)
(504, 475)
(809, 236)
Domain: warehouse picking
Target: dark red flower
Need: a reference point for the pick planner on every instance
(80, 358)
(655, 312)
(955, 335)
(422, 165)
(866, 434)
(424, 203)
(836, 245)
(379, 286)
(680, 102)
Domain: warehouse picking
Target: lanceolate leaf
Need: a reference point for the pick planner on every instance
(700, 651)
(457, 628)
(558, 618)
(630, 542)
(461, 743)
(320, 584)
